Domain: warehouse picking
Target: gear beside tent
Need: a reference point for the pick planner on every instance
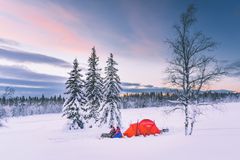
(145, 127)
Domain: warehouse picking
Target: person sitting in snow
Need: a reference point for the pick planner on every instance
(112, 131)
(118, 133)
(110, 134)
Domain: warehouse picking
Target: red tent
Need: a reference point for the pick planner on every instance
(144, 127)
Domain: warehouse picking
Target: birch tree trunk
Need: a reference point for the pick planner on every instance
(190, 70)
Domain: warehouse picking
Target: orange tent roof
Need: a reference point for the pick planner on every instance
(145, 127)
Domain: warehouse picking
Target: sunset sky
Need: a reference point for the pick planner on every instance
(40, 39)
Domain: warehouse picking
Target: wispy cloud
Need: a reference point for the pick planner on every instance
(49, 24)
(24, 91)
(21, 56)
(8, 42)
(29, 83)
(127, 85)
(18, 72)
(27, 87)
(233, 69)
(75, 31)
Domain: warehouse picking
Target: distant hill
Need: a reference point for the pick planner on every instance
(148, 90)
(144, 89)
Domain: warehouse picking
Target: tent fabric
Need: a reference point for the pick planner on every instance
(144, 127)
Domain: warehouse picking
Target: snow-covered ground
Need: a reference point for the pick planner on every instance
(43, 137)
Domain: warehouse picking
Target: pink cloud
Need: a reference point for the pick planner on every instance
(41, 26)
(51, 27)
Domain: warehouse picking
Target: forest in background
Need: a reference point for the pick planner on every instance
(24, 106)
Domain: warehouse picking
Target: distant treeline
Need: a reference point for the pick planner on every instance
(142, 100)
(23, 106)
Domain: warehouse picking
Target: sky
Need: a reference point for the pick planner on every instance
(40, 39)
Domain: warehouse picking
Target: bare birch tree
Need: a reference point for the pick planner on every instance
(190, 68)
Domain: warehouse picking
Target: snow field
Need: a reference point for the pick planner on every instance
(43, 137)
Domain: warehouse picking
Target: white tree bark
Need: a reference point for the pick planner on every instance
(190, 70)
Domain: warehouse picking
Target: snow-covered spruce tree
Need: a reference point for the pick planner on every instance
(94, 86)
(73, 106)
(111, 114)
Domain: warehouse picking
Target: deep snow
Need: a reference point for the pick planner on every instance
(43, 137)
